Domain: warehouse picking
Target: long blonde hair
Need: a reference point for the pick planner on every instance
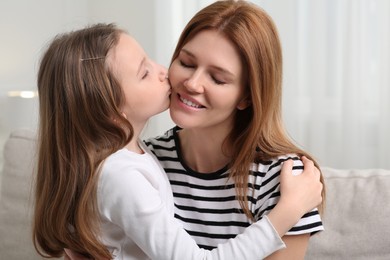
(258, 133)
(80, 125)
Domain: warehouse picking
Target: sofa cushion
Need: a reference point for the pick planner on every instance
(16, 196)
(357, 216)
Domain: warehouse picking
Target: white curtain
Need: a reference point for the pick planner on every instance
(336, 102)
(336, 74)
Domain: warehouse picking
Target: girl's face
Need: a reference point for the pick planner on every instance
(144, 82)
(206, 80)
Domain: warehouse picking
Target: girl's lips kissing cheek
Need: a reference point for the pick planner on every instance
(190, 103)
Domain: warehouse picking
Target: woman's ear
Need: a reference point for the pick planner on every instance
(243, 104)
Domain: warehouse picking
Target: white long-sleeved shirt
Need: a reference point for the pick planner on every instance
(136, 207)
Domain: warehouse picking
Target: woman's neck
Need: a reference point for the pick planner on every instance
(202, 149)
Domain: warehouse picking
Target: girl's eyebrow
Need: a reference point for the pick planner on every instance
(220, 69)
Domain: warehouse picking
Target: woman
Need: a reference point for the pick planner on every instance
(99, 191)
(224, 158)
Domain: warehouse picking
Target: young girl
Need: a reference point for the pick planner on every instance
(224, 158)
(99, 191)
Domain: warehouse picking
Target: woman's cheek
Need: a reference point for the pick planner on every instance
(173, 74)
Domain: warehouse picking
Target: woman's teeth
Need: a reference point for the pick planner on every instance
(189, 103)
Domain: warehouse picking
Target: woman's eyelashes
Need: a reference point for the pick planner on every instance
(218, 82)
(186, 65)
(213, 78)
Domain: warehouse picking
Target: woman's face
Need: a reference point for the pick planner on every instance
(143, 81)
(206, 80)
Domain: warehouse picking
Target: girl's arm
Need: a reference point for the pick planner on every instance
(132, 201)
(140, 212)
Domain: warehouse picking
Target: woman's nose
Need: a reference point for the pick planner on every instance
(194, 82)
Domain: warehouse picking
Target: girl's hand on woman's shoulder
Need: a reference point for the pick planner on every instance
(299, 194)
(303, 191)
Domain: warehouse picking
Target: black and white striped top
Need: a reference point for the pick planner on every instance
(206, 203)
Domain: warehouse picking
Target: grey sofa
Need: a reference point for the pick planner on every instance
(357, 216)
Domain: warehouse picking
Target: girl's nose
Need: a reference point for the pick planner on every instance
(163, 75)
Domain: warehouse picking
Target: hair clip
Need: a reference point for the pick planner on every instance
(92, 58)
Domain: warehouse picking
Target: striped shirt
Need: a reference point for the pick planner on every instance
(206, 204)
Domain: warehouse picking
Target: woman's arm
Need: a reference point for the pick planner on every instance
(296, 247)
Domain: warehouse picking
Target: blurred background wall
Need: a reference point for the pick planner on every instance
(336, 65)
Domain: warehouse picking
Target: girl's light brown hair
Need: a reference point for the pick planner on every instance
(258, 133)
(80, 125)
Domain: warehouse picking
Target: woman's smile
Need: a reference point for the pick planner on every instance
(190, 102)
